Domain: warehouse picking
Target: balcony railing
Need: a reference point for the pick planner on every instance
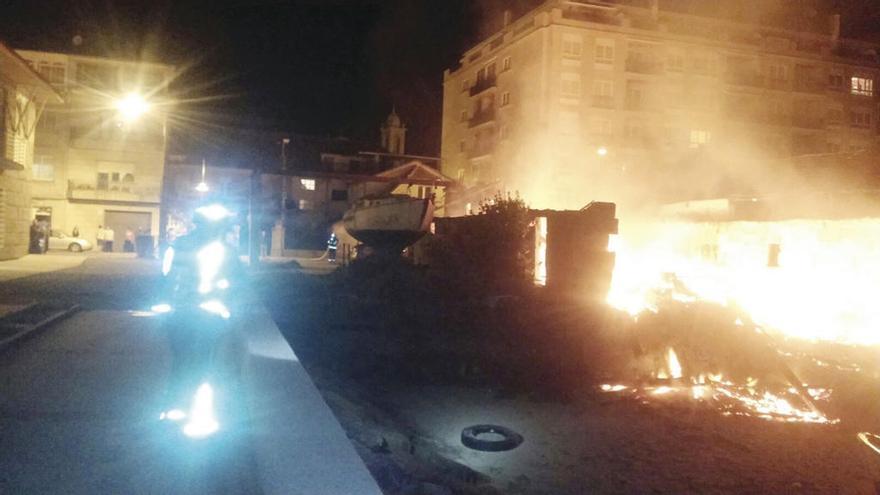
(483, 84)
(128, 191)
(642, 65)
(482, 117)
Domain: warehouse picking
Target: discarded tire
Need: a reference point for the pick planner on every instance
(490, 438)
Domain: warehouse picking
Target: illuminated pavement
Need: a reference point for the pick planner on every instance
(79, 404)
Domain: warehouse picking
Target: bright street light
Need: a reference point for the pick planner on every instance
(132, 106)
(602, 151)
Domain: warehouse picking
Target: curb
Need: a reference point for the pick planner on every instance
(28, 330)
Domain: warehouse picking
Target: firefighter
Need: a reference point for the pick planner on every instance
(202, 276)
(332, 244)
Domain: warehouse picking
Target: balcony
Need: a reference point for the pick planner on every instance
(128, 192)
(809, 86)
(602, 101)
(482, 117)
(482, 148)
(483, 85)
(639, 105)
(643, 65)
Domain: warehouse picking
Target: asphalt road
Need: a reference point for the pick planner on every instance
(79, 401)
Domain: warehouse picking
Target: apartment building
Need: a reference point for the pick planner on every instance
(23, 96)
(578, 100)
(99, 155)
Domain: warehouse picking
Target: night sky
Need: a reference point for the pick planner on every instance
(328, 67)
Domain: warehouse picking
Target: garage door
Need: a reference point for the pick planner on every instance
(120, 221)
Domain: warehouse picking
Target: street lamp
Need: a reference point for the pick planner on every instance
(132, 106)
(602, 151)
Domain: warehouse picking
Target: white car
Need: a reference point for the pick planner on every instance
(60, 240)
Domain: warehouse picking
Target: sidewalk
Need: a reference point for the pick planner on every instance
(80, 406)
(39, 263)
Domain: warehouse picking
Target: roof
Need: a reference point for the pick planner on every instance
(13, 67)
(416, 171)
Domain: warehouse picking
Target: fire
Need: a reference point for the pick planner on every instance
(813, 280)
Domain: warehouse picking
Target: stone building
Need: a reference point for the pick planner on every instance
(23, 97)
(581, 100)
(99, 156)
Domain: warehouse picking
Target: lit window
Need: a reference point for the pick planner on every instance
(862, 86)
(505, 64)
(571, 46)
(505, 98)
(700, 137)
(308, 184)
(604, 51)
(305, 204)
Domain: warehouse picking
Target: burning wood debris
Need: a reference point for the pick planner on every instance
(725, 327)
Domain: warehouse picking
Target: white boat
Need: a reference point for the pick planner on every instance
(389, 222)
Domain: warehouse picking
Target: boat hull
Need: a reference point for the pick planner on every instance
(391, 223)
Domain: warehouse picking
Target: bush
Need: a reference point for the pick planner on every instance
(488, 253)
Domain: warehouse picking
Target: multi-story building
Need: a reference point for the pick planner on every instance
(576, 100)
(99, 156)
(23, 95)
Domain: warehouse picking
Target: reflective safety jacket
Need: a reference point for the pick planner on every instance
(201, 272)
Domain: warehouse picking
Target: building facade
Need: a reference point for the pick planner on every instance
(99, 156)
(577, 101)
(23, 98)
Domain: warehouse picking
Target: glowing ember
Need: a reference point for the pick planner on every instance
(613, 388)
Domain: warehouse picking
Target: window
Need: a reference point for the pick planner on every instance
(675, 62)
(778, 72)
(339, 195)
(305, 204)
(465, 85)
(53, 72)
(505, 64)
(43, 168)
(700, 137)
(571, 45)
(862, 86)
(571, 85)
(461, 146)
(860, 118)
(464, 115)
(307, 184)
(604, 51)
(103, 181)
(505, 98)
(836, 80)
(603, 93)
(460, 174)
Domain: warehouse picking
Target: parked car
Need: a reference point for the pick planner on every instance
(60, 240)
